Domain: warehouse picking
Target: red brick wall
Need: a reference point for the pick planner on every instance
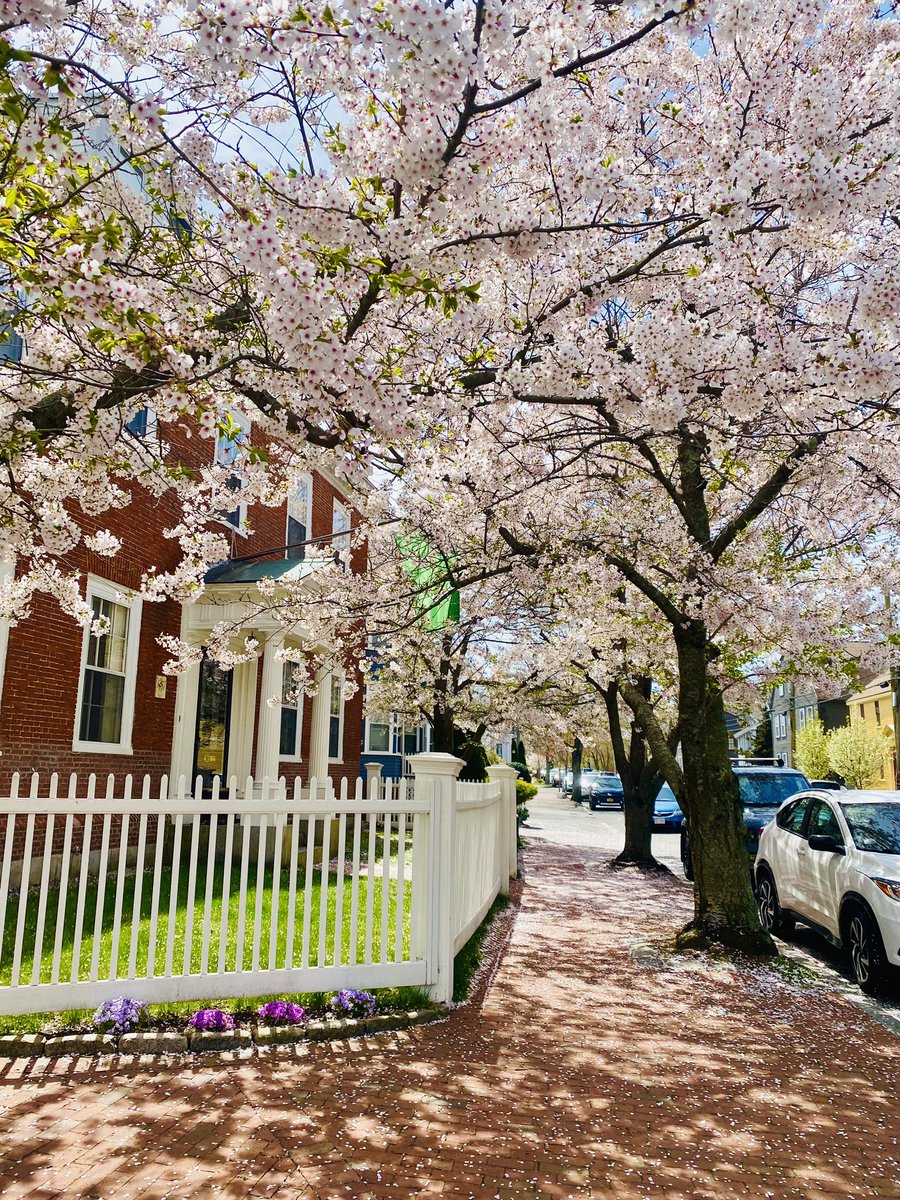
(37, 711)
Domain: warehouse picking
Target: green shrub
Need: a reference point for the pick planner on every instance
(524, 773)
(525, 791)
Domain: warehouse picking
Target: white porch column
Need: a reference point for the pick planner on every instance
(433, 933)
(509, 839)
(318, 738)
(268, 733)
(240, 738)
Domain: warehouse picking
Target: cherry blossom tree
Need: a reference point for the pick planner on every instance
(641, 261)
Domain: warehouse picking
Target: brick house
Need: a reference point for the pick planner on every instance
(72, 702)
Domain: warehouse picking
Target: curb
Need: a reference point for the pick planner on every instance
(161, 1043)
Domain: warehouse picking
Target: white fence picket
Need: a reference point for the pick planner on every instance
(117, 874)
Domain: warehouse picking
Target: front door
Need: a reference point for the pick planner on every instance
(213, 724)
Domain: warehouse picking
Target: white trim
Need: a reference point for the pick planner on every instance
(337, 677)
(340, 541)
(7, 571)
(246, 426)
(297, 756)
(306, 479)
(104, 590)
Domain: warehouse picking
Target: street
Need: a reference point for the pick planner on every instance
(558, 819)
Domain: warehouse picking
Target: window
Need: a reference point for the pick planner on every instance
(231, 451)
(780, 725)
(862, 712)
(780, 691)
(142, 423)
(105, 710)
(340, 526)
(792, 817)
(822, 821)
(378, 737)
(878, 715)
(291, 738)
(299, 518)
(336, 719)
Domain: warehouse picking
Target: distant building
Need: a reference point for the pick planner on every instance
(873, 707)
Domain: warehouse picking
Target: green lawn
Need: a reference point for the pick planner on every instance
(188, 924)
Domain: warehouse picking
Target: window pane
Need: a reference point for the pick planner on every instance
(287, 746)
(379, 737)
(101, 707)
(336, 689)
(108, 650)
(824, 822)
(296, 537)
(334, 737)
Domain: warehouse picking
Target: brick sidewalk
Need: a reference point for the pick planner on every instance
(582, 1073)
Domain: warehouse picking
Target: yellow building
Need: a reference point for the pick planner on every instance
(873, 706)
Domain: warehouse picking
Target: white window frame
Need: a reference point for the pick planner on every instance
(337, 677)
(151, 437)
(104, 590)
(297, 756)
(7, 571)
(307, 480)
(390, 728)
(340, 541)
(246, 426)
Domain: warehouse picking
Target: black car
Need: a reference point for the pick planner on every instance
(604, 791)
(763, 790)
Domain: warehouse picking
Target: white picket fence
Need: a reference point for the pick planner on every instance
(258, 890)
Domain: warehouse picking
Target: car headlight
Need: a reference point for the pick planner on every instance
(890, 887)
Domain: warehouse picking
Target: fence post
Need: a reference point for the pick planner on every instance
(435, 779)
(509, 840)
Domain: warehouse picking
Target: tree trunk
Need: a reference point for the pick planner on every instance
(442, 731)
(724, 906)
(637, 793)
(576, 771)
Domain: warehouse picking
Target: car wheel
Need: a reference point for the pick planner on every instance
(772, 916)
(862, 940)
(594, 806)
(686, 857)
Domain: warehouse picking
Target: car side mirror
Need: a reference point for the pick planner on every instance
(826, 843)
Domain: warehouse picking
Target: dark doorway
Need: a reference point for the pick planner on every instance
(213, 724)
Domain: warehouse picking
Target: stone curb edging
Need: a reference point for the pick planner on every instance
(161, 1042)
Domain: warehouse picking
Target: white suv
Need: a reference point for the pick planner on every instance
(832, 860)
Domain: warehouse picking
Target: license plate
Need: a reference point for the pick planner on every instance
(659, 820)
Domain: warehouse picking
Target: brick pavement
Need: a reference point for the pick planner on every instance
(582, 1071)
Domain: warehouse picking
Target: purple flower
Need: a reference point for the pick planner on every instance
(208, 1020)
(282, 1012)
(350, 1003)
(120, 1015)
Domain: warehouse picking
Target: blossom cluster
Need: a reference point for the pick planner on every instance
(282, 1012)
(211, 1020)
(351, 1003)
(120, 1015)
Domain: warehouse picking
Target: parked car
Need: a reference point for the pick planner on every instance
(667, 814)
(762, 791)
(604, 791)
(832, 860)
(825, 785)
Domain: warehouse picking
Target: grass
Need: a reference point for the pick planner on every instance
(467, 962)
(187, 928)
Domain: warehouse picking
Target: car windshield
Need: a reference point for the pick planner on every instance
(610, 783)
(665, 793)
(762, 789)
(875, 827)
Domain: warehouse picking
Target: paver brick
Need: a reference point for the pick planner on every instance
(579, 1072)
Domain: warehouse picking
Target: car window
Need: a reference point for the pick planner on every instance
(823, 822)
(875, 827)
(793, 816)
(764, 789)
